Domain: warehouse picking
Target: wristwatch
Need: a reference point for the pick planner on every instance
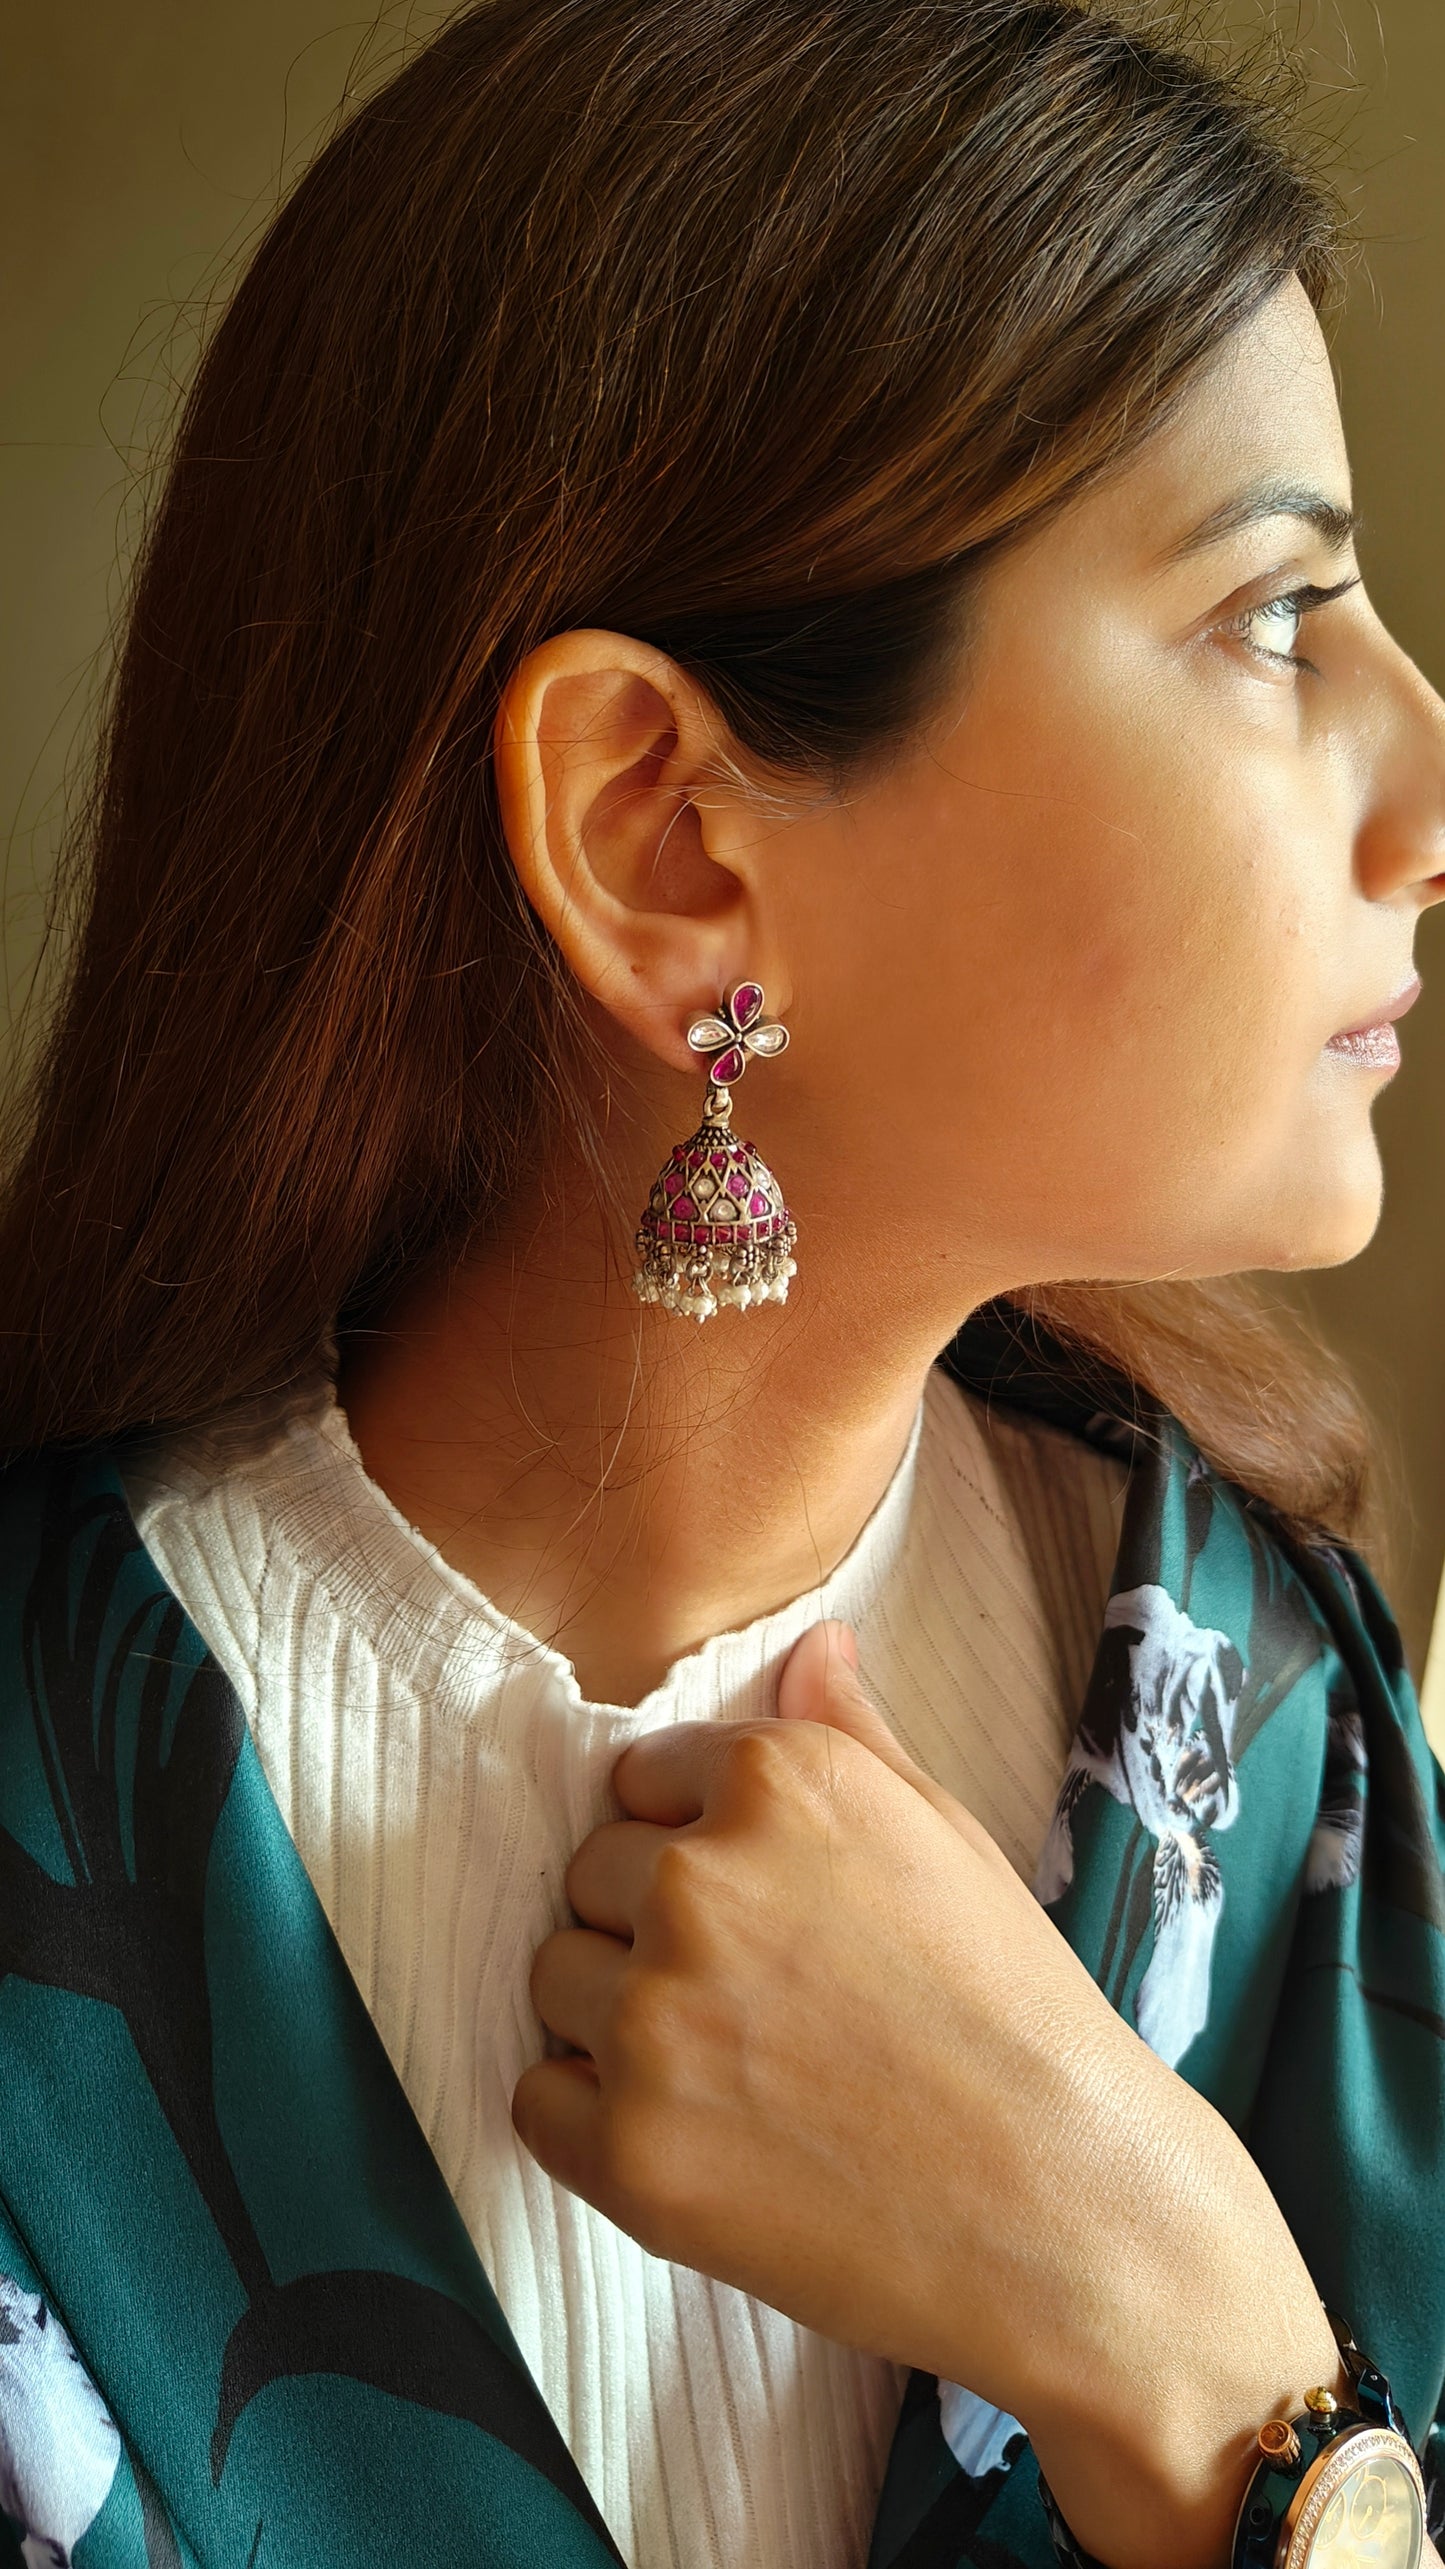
(1334, 2488)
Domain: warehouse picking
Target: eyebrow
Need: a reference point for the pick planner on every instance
(1338, 526)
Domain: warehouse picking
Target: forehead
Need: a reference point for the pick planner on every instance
(1262, 411)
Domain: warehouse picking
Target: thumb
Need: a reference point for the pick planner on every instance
(819, 1682)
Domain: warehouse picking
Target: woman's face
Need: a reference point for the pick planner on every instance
(1064, 977)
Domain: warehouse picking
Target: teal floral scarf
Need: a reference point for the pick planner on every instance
(241, 2324)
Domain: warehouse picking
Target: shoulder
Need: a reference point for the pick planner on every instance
(1298, 1638)
(1013, 1365)
(90, 1633)
(63, 1517)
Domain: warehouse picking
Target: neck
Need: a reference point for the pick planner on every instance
(625, 1483)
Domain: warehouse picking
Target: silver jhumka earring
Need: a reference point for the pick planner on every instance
(716, 1230)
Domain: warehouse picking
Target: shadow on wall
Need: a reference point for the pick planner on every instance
(142, 152)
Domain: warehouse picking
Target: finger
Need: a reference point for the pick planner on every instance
(665, 1776)
(557, 2113)
(575, 1978)
(612, 1872)
(819, 1682)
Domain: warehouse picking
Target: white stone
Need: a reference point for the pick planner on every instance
(709, 1034)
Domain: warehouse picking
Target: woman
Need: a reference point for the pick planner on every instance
(819, 1935)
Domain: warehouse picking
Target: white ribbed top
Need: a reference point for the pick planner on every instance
(437, 1765)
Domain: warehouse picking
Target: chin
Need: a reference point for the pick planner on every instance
(1336, 1234)
(1327, 1208)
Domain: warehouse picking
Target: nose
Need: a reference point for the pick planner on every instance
(1401, 843)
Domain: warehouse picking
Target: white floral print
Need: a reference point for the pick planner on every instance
(59, 2446)
(977, 2434)
(1170, 1760)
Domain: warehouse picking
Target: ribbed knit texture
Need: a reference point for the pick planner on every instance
(437, 1766)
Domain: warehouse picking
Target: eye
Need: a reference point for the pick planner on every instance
(1275, 627)
(1271, 630)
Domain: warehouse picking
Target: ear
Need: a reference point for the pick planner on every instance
(633, 832)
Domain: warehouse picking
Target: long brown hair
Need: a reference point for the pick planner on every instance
(749, 327)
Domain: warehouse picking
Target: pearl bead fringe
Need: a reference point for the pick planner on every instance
(697, 1298)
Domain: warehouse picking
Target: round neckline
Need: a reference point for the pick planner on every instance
(389, 1571)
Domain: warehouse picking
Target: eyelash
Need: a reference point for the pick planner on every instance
(1306, 598)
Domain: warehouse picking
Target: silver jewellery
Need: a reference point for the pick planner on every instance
(716, 1229)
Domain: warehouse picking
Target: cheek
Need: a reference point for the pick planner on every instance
(1108, 960)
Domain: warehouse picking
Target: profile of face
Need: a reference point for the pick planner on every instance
(1174, 836)
(1063, 974)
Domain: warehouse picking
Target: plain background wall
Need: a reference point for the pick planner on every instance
(1387, 1308)
(146, 145)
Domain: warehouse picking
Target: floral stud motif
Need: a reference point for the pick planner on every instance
(740, 1029)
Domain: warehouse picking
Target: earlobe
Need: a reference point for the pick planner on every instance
(619, 821)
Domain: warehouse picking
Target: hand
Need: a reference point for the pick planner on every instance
(831, 2050)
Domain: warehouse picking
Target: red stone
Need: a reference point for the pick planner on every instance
(745, 1004)
(686, 1208)
(758, 1203)
(728, 1066)
(738, 1182)
(723, 1231)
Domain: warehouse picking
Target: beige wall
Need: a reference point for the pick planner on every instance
(145, 145)
(1387, 1308)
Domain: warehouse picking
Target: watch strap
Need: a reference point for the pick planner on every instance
(1066, 2549)
(1373, 2396)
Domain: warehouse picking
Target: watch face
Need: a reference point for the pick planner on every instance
(1362, 2513)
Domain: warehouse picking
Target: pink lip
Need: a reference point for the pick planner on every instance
(1375, 1045)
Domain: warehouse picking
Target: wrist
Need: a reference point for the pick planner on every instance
(1151, 2470)
(1147, 2437)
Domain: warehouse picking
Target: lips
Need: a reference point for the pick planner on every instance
(1374, 1044)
